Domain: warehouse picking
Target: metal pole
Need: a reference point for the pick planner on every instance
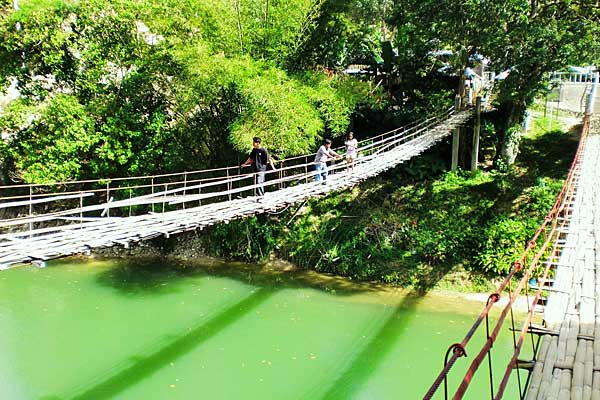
(30, 208)
(80, 210)
(306, 169)
(107, 199)
(228, 184)
(152, 192)
(455, 148)
(281, 183)
(239, 184)
(184, 187)
(164, 200)
(476, 131)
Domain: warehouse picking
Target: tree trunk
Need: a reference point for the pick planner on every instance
(510, 137)
(236, 5)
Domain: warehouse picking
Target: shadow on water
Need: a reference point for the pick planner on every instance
(352, 379)
(152, 276)
(145, 366)
(160, 276)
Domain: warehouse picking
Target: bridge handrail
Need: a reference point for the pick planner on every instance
(549, 230)
(211, 183)
(184, 176)
(221, 169)
(369, 151)
(573, 77)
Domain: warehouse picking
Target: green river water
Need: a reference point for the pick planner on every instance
(145, 330)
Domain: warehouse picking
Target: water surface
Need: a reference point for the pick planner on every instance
(147, 330)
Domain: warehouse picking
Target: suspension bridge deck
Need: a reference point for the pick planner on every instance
(72, 230)
(568, 362)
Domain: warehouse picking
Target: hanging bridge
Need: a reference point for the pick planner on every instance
(44, 222)
(559, 275)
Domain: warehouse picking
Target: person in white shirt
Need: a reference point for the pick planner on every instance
(324, 154)
(351, 151)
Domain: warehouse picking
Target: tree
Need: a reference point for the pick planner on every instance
(58, 145)
(537, 37)
(531, 37)
(160, 86)
(335, 33)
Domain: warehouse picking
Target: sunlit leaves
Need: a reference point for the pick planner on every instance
(165, 86)
(59, 142)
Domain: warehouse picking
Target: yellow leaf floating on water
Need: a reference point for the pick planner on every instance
(171, 386)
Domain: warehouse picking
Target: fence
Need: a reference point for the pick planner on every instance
(573, 77)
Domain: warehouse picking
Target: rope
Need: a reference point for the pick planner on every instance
(550, 230)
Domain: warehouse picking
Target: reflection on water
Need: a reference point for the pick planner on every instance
(152, 329)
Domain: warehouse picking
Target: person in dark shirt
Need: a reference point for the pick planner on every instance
(259, 159)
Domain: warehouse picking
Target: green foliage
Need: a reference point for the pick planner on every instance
(57, 144)
(248, 240)
(165, 87)
(277, 112)
(428, 165)
(505, 240)
(336, 33)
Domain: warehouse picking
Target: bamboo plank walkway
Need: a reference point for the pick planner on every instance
(568, 362)
(79, 230)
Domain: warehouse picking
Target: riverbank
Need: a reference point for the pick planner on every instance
(416, 226)
(455, 286)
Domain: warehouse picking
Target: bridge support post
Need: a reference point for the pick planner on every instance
(589, 101)
(455, 148)
(589, 106)
(455, 137)
(476, 130)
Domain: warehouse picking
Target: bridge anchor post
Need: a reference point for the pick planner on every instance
(455, 137)
(476, 131)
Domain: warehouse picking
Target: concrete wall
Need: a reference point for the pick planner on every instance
(573, 96)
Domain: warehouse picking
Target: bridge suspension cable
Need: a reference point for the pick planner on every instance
(537, 260)
(80, 215)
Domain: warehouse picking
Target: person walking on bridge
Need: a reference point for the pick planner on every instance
(259, 159)
(351, 150)
(324, 154)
